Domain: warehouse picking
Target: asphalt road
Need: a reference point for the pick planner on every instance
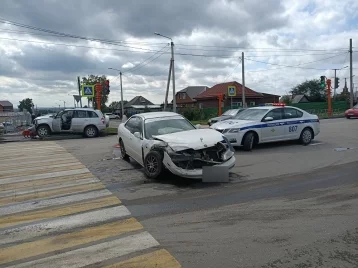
(286, 205)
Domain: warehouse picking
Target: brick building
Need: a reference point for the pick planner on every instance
(208, 98)
(6, 106)
(186, 96)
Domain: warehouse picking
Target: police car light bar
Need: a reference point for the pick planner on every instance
(278, 104)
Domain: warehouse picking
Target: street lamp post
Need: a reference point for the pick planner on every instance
(120, 78)
(64, 104)
(171, 68)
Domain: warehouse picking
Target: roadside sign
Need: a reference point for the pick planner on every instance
(231, 91)
(88, 91)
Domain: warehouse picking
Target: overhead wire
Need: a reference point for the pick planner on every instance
(292, 66)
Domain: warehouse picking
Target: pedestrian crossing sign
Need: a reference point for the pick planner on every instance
(231, 91)
(88, 91)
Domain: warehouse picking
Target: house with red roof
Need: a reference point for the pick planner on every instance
(209, 98)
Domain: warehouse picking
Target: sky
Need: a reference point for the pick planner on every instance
(46, 44)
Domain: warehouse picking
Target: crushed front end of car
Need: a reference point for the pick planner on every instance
(187, 162)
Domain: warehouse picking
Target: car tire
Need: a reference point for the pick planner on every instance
(153, 164)
(306, 136)
(249, 141)
(123, 150)
(43, 131)
(348, 117)
(91, 132)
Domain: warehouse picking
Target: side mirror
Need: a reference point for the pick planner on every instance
(137, 135)
(198, 126)
(269, 118)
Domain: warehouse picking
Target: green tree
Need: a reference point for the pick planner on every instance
(286, 99)
(26, 104)
(92, 80)
(312, 89)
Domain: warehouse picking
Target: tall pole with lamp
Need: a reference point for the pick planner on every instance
(171, 71)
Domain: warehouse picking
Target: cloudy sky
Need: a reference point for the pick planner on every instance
(285, 42)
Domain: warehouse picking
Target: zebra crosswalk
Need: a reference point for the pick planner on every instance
(55, 213)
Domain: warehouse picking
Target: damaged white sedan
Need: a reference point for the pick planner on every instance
(161, 140)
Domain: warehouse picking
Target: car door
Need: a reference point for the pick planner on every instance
(79, 121)
(273, 130)
(56, 122)
(294, 123)
(132, 144)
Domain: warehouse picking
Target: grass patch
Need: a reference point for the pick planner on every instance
(200, 122)
(111, 131)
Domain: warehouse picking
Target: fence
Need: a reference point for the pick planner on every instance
(14, 121)
(318, 108)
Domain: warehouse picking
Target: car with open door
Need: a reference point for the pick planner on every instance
(85, 121)
(269, 124)
(161, 140)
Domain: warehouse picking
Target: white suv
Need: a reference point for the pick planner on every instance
(79, 120)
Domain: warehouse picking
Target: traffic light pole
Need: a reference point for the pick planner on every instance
(335, 81)
(329, 99)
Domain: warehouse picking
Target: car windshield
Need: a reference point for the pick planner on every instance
(230, 112)
(162, 126)
(252, 114)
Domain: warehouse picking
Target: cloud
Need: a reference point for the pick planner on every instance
(209, 37)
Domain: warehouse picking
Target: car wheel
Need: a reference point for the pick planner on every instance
(123, 150)
(306, 136)
(43, 131)
(91, 132)
(153, 164)
(348, 117)
(249, 140)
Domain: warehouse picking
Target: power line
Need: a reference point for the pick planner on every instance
(257, 48)
(142, 64)
(55, 35)
(106, 41)
(292, 66)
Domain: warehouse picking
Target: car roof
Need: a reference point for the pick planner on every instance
(272, 107)
(80, 109)
(157, 115)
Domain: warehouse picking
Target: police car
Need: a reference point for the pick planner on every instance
(263, 124)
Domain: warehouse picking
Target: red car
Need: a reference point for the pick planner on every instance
(352, 112)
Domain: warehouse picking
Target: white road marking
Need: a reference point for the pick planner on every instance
(62, 224)
(44, 176)
(96, 253)
(44, 203)
(23, 159)
(14, 162)
(39, 168)
(54, 186)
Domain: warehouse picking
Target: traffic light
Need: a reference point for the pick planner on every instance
(336, 82)
(323, 81)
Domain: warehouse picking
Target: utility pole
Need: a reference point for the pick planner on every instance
(351, 72)
(168, 84)
(173, 78)
(243, 80)
(172, 72)
(122, 105)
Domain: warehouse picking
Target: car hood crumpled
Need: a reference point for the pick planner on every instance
(192, 139)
